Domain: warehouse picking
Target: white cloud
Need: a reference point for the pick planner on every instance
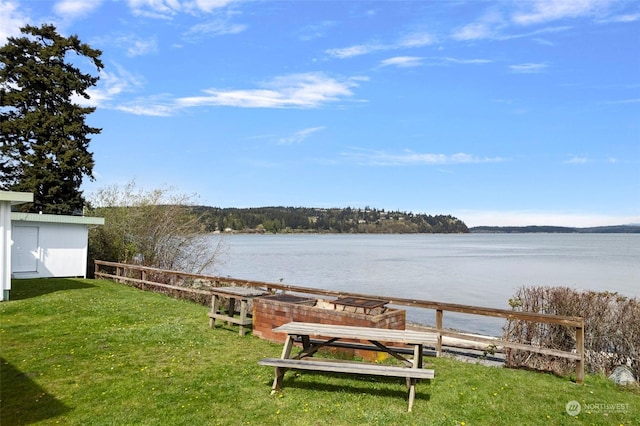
(166, 9)
(140, 47)
(583, 159)
(208, 5)
(545, 30)
(412, 40)
(632, 17)
(214, 27)
(543, 42)
(528, 68)
(72, 9)
(410, 158)
(155, 8)
(109, 87)
(503, 16)
(146, 108)
(310, 90)
(624, 101)
(415, 61)
(485, 30)
(402, 61)
(300, 136)
(474, 31)
(541, 11)
(466, 61)
(315, 31)
(132, 44)
(357, 50)
(11, 20)
(485, 27)
(577, 160)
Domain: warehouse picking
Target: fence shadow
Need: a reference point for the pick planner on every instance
(28, 288)
(23, 400)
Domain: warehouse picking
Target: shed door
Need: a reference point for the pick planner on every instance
(24, 251)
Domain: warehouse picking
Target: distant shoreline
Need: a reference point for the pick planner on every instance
(615, 229)
(533, 229)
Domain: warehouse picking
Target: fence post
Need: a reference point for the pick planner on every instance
(580, 351)
(439, 328)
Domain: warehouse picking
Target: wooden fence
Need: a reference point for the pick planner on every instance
(136, 274)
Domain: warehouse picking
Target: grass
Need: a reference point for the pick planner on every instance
(93, 352)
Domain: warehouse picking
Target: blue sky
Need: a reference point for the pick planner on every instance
(499, 113)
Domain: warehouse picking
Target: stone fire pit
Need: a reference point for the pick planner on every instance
(270, 312)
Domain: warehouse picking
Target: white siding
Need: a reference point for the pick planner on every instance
(61, 251)
(24, 252)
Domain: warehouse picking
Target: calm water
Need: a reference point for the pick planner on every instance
(473, 269)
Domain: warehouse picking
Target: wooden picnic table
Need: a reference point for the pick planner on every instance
(326, 334)
(233, 294)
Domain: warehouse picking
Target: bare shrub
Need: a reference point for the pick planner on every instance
(612, 329)
(156, 228)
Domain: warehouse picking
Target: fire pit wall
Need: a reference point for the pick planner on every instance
(272, 311)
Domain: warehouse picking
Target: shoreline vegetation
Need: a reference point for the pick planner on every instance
(325, 220)
(277, 220)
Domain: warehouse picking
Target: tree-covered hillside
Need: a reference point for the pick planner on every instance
(336, 220)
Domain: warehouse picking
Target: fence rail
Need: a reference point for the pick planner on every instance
(137, 274)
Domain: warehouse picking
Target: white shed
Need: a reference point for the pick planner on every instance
(46, 245)
(40, 245)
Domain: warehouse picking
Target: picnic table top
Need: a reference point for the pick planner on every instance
(353, 332)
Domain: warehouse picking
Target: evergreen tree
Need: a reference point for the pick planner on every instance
(43, 134)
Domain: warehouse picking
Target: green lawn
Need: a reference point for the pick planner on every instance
(93, 352)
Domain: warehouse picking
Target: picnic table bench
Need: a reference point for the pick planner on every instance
(328, 334)
(233, 294)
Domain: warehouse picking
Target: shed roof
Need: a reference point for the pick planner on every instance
(55, 218)
(16, 197)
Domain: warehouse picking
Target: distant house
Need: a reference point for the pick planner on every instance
(41, 245)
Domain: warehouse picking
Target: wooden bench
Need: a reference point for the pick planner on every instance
(331, 333)
(348, 368)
